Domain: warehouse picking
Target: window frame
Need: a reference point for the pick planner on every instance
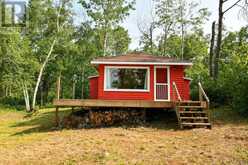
(127, 67)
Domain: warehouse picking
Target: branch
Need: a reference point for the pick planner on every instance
(58, 16)
(242, 7)
(231, 6)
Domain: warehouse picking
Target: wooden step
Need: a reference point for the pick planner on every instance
(198, 118)
(189, 106)
(196, 124)
(193, 112)
(190, 101)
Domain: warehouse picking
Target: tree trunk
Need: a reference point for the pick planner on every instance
(26, 97)
(165, 41)
(105, 44)
(41, 73)
(219, 40)
(6, 92)
(182, 41)
(151, 37)
(82, 92)
(58, 86)
(73, 89)
(211, 52)
(41, 92)
(182, 30)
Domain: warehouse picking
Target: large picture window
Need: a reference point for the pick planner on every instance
(127, 78)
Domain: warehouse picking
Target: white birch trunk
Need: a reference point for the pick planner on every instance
(41, 73)
(26, 97)
(105, 44)
(47, 58)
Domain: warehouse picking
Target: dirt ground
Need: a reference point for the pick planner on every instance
(33, 140)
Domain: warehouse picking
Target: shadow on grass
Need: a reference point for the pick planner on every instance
(39, 122)
(226, 115)
(45, 121)
(164, 120)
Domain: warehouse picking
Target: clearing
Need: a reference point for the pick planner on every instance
(32, 140)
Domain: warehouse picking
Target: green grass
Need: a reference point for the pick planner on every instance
(26, 139)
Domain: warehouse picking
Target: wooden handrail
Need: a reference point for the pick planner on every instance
(175, 90)
(202, 94)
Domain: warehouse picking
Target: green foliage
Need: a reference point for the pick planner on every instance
(106, 16)
(22, 53)
(120, 40)
(12, 101)
(179, 17)
(231, 86)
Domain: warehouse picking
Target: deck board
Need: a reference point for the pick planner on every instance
(111, 103)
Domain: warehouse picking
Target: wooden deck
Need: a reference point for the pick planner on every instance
(111, 103)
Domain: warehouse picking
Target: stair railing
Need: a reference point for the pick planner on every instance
(203, 95)
(176, 94)
(176, 101)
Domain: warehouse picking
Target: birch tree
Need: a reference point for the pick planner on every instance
(106, 15)
(54, 29)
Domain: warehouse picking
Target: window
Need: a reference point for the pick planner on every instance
(127, 78)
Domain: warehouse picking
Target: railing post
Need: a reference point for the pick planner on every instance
(200, 92)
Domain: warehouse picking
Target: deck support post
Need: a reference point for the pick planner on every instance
(57, 117)
(144, 115)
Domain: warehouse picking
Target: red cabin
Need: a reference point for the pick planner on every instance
(139, 76)
(146, 82)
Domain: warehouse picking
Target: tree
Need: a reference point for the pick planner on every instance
(120, 40)
(53, 31)
(211, 51)
(105, 15)
(147, 36)
(17, 64)
(222, 11)
(147, 27)
(179, 17)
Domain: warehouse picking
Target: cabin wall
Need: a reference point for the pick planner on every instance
(94, 87)
(120, 95)
(176, 75)
(186, 89)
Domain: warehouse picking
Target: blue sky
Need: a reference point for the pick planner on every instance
(143, 9)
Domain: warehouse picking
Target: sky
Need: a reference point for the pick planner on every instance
(142, 13)
(143, 8)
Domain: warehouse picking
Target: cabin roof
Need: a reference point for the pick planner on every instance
(140, 59)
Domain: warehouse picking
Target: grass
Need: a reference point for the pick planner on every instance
(33, 140)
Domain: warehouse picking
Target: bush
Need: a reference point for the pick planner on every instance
(12, 101)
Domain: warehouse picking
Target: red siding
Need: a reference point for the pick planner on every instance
(186, 89)
(176, 75)
(119, 95)
(93, 87)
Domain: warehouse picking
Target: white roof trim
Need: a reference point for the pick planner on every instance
(143, 63)
(93, 76)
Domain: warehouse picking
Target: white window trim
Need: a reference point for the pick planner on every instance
(155, 84)
(127, 90)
